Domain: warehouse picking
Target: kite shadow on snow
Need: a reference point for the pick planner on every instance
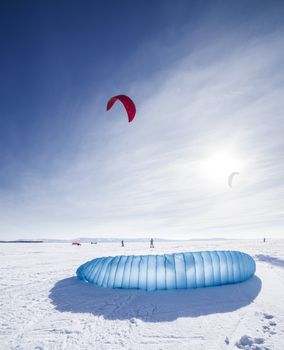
(74, 295)
(270, 260)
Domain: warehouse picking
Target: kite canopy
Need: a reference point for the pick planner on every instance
(231, 177)
(127, 103)
(169, 271)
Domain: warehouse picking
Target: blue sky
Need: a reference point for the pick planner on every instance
(207, 78)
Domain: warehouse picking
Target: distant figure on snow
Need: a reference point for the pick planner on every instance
(264, 240)
(151, 243)
(122, 243)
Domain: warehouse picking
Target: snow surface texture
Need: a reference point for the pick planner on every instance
(168, 271)
(44, 306)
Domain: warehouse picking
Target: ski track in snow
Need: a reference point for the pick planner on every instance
(44, 306)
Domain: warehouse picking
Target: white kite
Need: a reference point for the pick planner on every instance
(230, 178)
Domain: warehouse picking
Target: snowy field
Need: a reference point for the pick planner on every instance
(44, 306)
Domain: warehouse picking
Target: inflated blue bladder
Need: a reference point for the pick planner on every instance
(168, 271)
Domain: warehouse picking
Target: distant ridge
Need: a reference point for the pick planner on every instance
(118, 240)
(22, 241)
(103, 240)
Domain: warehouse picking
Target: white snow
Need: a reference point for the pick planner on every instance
(44, 306)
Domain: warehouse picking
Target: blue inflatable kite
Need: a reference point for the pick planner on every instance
(169, 271)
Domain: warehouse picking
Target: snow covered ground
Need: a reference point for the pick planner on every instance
(44, 306)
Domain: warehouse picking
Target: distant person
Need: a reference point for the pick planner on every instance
(151, 243)
(264, 240)
(122, 243)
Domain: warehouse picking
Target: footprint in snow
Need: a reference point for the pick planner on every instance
(268, 316)
(248, 343)
(270, 325)
(133, 321)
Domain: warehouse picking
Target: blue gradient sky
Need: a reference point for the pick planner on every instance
(208, 81)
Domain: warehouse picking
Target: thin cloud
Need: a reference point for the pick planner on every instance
(145, 177)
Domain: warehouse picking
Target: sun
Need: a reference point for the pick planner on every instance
(218, 166)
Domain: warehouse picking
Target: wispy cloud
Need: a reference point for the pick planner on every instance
(145, 178)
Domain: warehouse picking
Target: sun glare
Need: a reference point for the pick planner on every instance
(219, 166)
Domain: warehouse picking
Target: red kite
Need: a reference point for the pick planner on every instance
(127, 103)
